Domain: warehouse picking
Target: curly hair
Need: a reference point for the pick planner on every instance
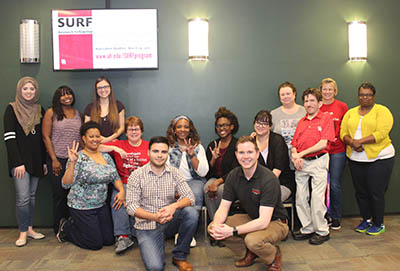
(56, 105)
(223, 112)
(193, 134)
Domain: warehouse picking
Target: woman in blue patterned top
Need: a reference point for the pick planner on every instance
(87, 175)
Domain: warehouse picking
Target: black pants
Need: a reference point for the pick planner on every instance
(60, 208)
(90, 229)
(371, 180)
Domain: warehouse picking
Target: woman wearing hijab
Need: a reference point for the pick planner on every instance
(26, 153)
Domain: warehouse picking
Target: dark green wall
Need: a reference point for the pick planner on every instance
(254, 46)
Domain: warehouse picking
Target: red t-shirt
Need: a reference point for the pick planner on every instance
(310, 132)
(337, 109)
(135, 157)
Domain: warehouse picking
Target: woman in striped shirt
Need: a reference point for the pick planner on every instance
(61, 125)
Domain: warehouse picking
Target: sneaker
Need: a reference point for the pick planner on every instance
(61, 233)
(122, 244)
(364, 226)
(193, 243)
(317, 239)
(376, 230)
(329, 221)
(335, 224)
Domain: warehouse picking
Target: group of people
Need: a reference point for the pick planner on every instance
(108, 190)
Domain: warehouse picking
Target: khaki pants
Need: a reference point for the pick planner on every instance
(262, 243)
(312, 217)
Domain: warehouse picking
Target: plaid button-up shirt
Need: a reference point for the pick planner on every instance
(151, 192)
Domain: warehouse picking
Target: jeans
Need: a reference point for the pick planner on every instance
(60, 208)
(123, 223)
(337, 163)
(25, 190)
(90, 229)
(197, 185)
(151, 242)
(371, 180)
(213, 203)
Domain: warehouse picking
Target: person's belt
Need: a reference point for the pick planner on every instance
(314, 157)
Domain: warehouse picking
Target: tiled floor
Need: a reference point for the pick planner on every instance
(347, 250)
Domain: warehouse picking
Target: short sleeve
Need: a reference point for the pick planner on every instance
(88, 109)
(229, 192)
(120, 106)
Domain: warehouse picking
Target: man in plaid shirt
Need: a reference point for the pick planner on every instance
(151, 192)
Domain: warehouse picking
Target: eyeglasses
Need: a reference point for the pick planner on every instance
(366, 95)
(224, 125)
(135, 130)
(103, 87)
(261, 124)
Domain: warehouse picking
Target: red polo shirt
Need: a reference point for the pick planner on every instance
(310, 132)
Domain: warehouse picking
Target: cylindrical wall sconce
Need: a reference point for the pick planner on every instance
(198, 39)
(29, 41)
(357, 41)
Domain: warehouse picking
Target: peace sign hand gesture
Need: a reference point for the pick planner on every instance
(215, 152)
(189, 147)
(73, 152)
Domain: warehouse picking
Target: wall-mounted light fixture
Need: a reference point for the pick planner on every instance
(357, 41)
(29, 41)
(198, 39)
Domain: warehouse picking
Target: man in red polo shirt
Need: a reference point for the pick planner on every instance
(310, 158)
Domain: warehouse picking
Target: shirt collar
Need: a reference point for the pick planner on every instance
(319, 115)
(167, 168)
(255, 175)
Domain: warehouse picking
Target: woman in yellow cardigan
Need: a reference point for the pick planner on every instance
(365, 131)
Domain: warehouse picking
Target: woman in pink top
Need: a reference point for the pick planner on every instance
(337, 154)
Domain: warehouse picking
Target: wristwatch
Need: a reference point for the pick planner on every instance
(235, 231)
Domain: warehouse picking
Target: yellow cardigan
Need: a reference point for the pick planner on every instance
(378, 122)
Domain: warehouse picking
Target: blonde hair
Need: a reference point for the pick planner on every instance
(329, 81)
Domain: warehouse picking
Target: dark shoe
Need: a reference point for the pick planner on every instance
(182, 265)
(298, 235)
(61, 233)
(276, 264)
(335, 224)
(248, 259)
(318, 239)
(214, 242)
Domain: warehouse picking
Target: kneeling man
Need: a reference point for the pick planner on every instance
(158, 215)
(265, 221)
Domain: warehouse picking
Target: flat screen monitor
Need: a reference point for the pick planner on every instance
(105, 39)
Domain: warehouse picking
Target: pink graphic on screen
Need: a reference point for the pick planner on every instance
(75, 50)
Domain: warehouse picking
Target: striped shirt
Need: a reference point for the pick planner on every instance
(151, 192)
(64, 132)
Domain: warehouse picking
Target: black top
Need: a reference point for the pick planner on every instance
(228, 163)
(278, 157)
(105, 125)
(21, 149)
(262, 189)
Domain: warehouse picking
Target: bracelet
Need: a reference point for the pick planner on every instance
(191, 156)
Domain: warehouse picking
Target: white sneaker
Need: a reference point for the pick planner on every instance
(193, 243)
